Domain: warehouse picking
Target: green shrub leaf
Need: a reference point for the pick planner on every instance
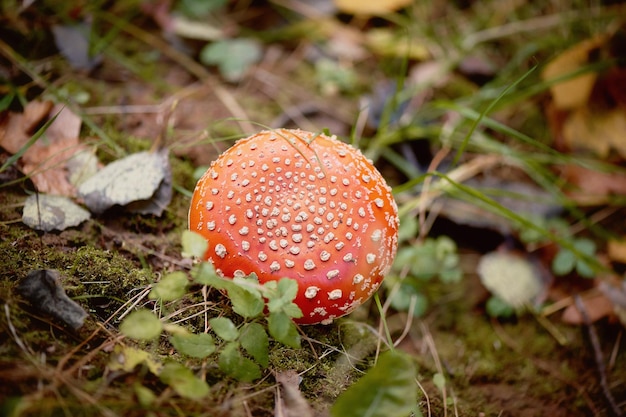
(194, 244)
(232, 362)
(283, 329)
(224, 328)
(141, 325)
(194, 345)
(183, 381)
(387, 390)
(255, 341)
(171, 287)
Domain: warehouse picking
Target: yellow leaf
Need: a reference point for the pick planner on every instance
(597, 132)
(387, 43)
(617, 250)
(126, 358)
(371, 7)
(573, 92)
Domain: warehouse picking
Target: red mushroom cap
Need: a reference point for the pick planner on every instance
(302, 205)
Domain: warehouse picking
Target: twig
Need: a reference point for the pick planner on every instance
(598, 356)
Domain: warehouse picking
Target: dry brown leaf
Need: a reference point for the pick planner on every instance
(17, 128)
(593, 187)
(45, 161)
(597, 132)
(596, 307)
(289, 399)
(574, 92)
(617, 250)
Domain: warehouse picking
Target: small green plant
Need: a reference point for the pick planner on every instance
(420, 263)
(242, 349)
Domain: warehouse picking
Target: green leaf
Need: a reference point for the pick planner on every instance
(496, 307)
(232, 56)
(439, 380)
(255, 341)
(194, 244)
(387, 390)
(224, 328)
(232, 362)
(171, 287)
(281, 295)
(204, 274)
(144, 395)
(194, 345)
(564, 262)
(283, 329)
(403, 298)
(247, 300)
(141, 325)
(183, 381)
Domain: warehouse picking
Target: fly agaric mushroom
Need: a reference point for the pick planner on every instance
(302, 205)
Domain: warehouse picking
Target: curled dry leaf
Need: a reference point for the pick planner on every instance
(43, 289)
(45, 161)
(143, 179)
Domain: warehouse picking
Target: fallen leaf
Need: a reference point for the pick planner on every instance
(73, 43)
(596, 306)
(617, 250)
(592, 187)
(573, 92)
(45, 160)
(289, 400)
(598, 132)
(52, 212)
(371, 7)
(138, 177)
(17, 128)
(43, 289)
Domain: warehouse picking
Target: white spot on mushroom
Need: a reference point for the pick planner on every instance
(275, 266)
(294, 250)
(232, 219)
(348, 257)
(262, 256)
(377, 235)
(370, 258)
(324, 256)
(297, 238)
(209, 205)
(245, 245)
(220, 250)
(333, 273)
(210, 225)
(379, 203)
(311, 291)
(335, 294)
(244, 231)
(289, 263)
(309, 265)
